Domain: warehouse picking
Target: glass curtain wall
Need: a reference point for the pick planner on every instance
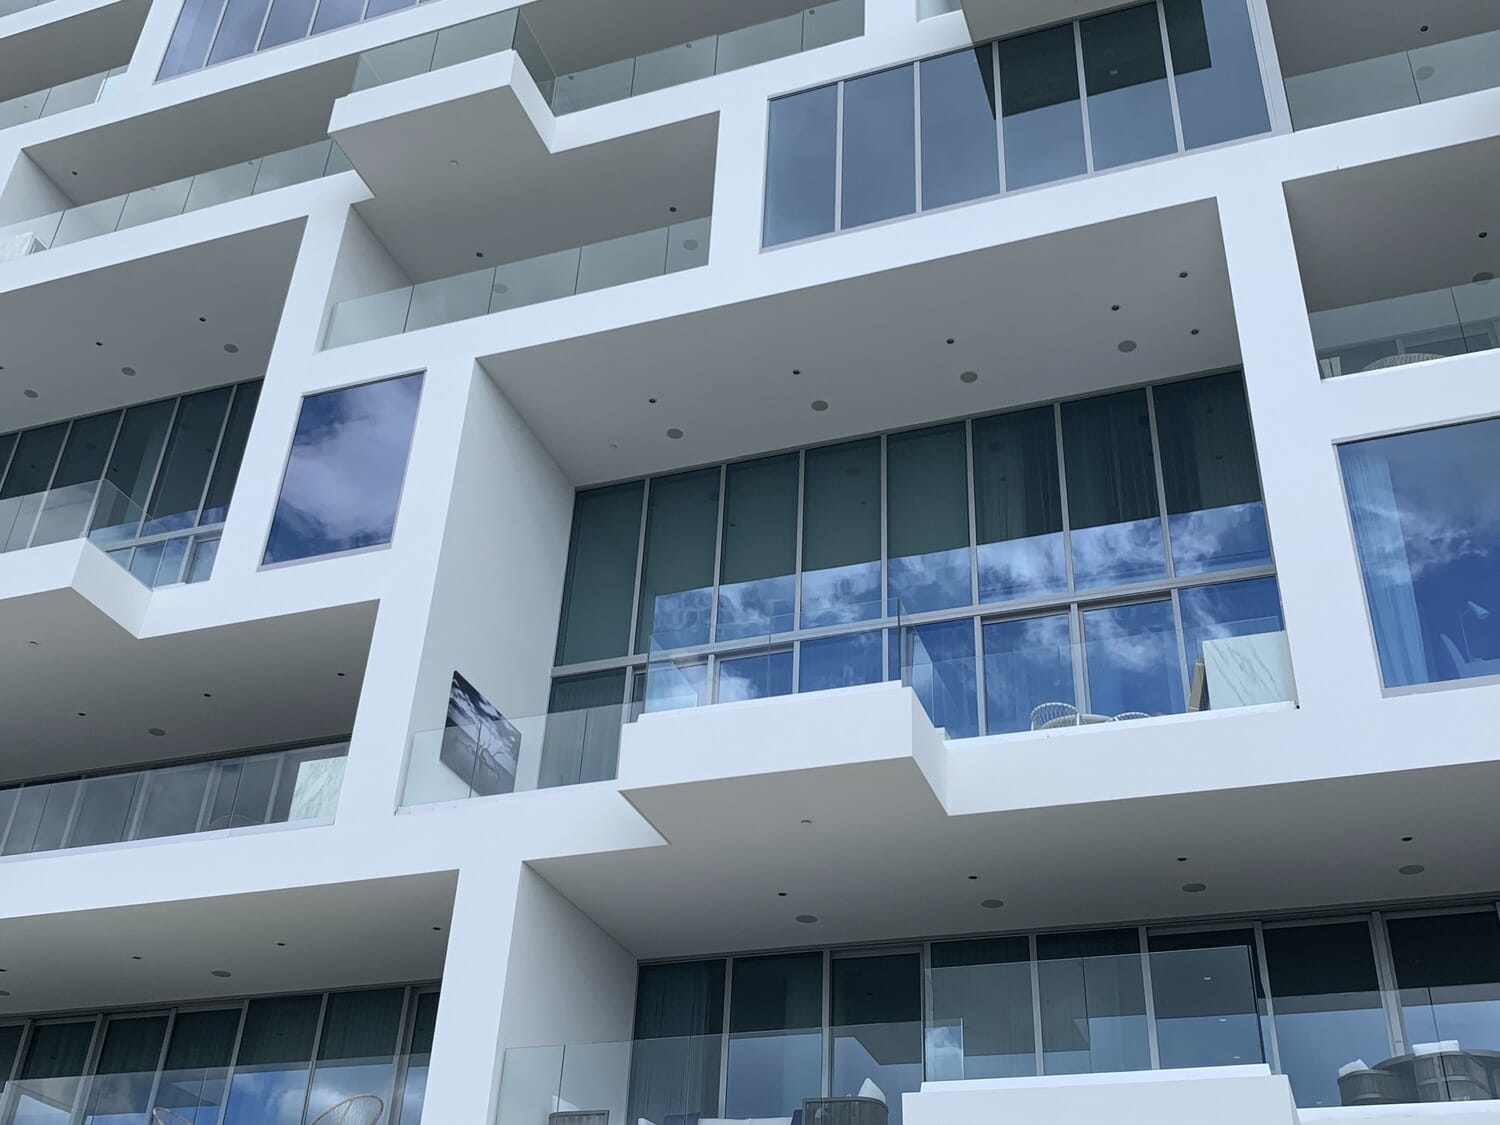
(1356, 1010)
(1104, 557)
(150, 484)
(1114, 89)
(273, 1061)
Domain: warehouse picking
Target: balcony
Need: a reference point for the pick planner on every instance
(243, 791)
(57, 99)
(582, 269)
(194, 193)
(1458, 53)
(1409, 329)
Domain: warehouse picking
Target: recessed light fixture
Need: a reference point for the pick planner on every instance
(222, 974)
(1194, 332)
(1484, 234)
(1208, 978)
(1114, 308)
(29, 393)
(1407, 839)
(819, 405)
(1195, 888)
(972, 877)
(1423, 73)
(1126, 346)
(231, 348)
(479, 253)
(208, 695)
(453, 163)
(281, 945)
(674, 433)
(501, 287)
(203, 320)
(83, 714)
(437, 929)
(3, 992)
(1183, 274)
(136, 957)
(155, 731)
(652, 401)
(35, 644)
(127, 371)
(992, 903)
(807, 822)
(968, 376)
(98, 343)
(1182, 859)
(796, 371)
(1411, 869)
(690, 244)
(1424, 27)
(950, 339)
(781, 894)
(340, 675)
(807, 919)
(672, 209)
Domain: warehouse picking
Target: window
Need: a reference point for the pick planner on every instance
(879, 155)
(981, 1010)
(928, 519)
(1125, 73)
(836, 662)
(940, 662)
(357, 1047)
(1018, 506)
(189, 458)
(876, 1026)
(801, 166)
(677, 574)
(1220, 93)
(841, 535)
(679, 1026)
(51, 1074)
(759, 676)
(1448, 972)
(775, 1057)
(271, 1068)
(126, 1070)
(757, 571)
(1131, 660)
(600, 587)
(1427, 528)
(1028, 663)
(1093, 1002)
(959, 136)
(582, 739)
(1043, 116)
(1206, 995)
(343, 478)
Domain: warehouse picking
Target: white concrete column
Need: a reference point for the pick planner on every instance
(1333, 653)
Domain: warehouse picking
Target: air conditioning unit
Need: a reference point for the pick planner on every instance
(19, 245)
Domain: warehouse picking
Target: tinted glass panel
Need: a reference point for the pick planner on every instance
(287, 22)
(76, 482)
(1112, 502)
(800, 166)
(1018, 506)
(191, 37)
(1328, 1010)
(1220, 93)
(1205, 996)
(271, 1070)
(50, 1075)
(757, 583)
(10, 1043)
(343, 477)
(337, 13)
(1428, 531)
(927, 499)
(940, 663)
(173, 801)
(1027, 664)
(197, 1064)
(1130, 656)
(835, 662)
(356, 1052)
(601, 574)
(189, 456)
(414, 1089)
(1130, 107)
(679, 1024)
(841, 534)
(1093, 1002)
(677, 574)
(239, 29)
(776, 1037)
(231, 453)
(1214, 511)
(755, 677)
(877, 1026)
(126, 1071)
(981, 1010)
(959, 139)
(582, 741)
(132, 468)
(26, 483)
(1235, 673)
(104, 810)
(879, 173)
(1448, 971)
(1043, 118)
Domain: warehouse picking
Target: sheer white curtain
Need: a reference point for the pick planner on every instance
(1387, 570)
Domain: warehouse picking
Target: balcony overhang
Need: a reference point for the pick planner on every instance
(842, 808)
(464, 164)
(59, 40)
(995, 19)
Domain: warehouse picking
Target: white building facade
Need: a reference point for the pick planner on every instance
(920, 561)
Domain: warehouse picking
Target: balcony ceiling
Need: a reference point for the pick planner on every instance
(66, 39)
(1317, 34)
(1032, 319)
(69, 339)
(260, 683)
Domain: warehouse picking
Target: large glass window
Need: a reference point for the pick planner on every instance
(981, 1010)
(879, 180)
(876, 1027)
(1113, 509)
(343, 477)
(190, 455)
(801, 165)
(758, 567)
(357, 1048)
(1131, 659)
(1125, 72)
(600, 588)
(1215, 517)
(1235, 644)
(1220, 92)
(197, 1064)
(677, 574)
(959, 134)
(1206, 996)
(582, 740)
(1018, 506)
(132, 469)
(51, 1074)
(927, 500)
(1093, 1002)
(836, 662)
(1328, 1007)
(1028, 664)
(1427, 526)
(679, 1024)
(940, 666)
(1042, 112)
(841, 535)
(775, 1058)
(1448, 972)
(126, 1071)
(271, 1069)
(65, 513)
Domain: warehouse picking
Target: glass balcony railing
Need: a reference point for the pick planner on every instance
(1410, 329)
(600, 265)
(275, 787)
(155, 551)
(64, 96)
(801, 31)
(136, 208)
(1406, 78)
(447, 47)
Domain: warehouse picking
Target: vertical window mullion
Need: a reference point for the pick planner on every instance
(1036, 1003)
(887, 611)
(999, 110)
(838, 161)
(1083, 97)
(1263, 970)
(1150, 999)
(640, 552)
(713, 605)
(916, 147)
(1166, 50)
(1385, 973)
(1062, 485)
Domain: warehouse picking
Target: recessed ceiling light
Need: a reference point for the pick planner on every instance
(652, 401)
(437, 929)
(156, 731)
(973, 877)
(501, 287)
(674, 433)
(222, 974)
(479, 253)
(1182, 859)
(968, 376)
(1423, 73)
(1407, 839)
(1183, 274)
(992, 903)
(231, 348)
(127, 371)
(1114, 308)
(807, 919)
(453, 163)
(340, 675)
(1126, 346)
(83, 714)
(98, 343)
(819, 405)
(203, 320)
(1424, 27)
(690, 244)
(29, 393)
(781, 894)
(136, 957)
(1194, 888)
(950, 339)
(208, 695)
(3, 992)
(807, 822)
(35, 644)
(281, 945)
(672, 209)
(1411, 869)
(1484, 234)
(1194, 332)
(796, 371)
